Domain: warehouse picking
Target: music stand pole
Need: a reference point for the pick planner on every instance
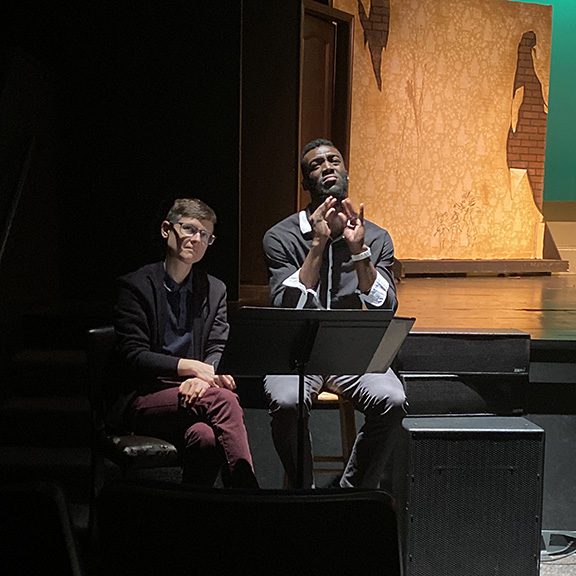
(300, 432)
(310, 331)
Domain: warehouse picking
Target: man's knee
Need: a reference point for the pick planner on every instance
(391, 399)
(201, 437)
(284, 405)
(397, 399)
(222, 398)
(221, 394)
(282, 396)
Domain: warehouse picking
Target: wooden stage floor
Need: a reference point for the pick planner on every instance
(543, 306)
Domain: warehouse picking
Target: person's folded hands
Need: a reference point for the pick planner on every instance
(191, 390)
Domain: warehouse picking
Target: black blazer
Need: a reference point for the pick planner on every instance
(141, 315)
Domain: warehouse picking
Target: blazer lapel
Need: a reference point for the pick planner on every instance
(199, 294)
(157, 282)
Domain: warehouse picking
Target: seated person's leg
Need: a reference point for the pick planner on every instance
(203, 456)
(157, 414)
(282, 393)
(220, 438)
(381, 398)
(221, 409)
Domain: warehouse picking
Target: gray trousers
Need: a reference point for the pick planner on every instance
(380, 397)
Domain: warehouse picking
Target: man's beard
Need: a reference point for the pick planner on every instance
(339, 190)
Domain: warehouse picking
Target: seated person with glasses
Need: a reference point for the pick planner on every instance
(171, 326)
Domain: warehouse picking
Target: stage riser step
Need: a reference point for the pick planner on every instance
(68, 466)
(45, 421)
(482, 267)
(48, 372)
(495, 352)
(465, 395)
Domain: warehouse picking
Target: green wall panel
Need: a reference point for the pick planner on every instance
(560, 175)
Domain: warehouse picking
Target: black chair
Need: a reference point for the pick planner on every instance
(159, 528)
(36, 535)
(130, 452)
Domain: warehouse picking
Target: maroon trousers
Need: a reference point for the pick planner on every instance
(210, 434)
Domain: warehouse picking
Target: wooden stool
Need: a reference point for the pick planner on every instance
(327, 401)
(330, 401)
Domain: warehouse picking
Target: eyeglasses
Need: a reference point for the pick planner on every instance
(190, 230)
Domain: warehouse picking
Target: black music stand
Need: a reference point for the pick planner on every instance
(288, 341)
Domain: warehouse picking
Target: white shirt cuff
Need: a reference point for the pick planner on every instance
(293, 281)
(377, 295)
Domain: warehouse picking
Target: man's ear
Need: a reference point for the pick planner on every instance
(305, 185)
(165, 229)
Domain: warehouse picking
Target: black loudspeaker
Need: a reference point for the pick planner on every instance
(471, 495)
(559, 502)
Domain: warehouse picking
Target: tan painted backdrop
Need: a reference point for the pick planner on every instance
(428, 152)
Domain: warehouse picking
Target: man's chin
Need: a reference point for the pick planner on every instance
(336, 192)
(320, 194)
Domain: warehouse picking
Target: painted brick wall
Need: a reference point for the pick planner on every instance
(527, 144)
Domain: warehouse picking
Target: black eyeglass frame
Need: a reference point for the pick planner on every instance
(205, 238)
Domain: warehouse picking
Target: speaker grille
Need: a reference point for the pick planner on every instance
(474, 504)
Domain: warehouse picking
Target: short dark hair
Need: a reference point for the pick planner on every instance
(190, 208)
(316, 143)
